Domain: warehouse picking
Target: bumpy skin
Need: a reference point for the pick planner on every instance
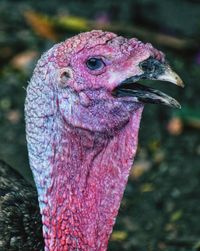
(20, 219)
(82, 140)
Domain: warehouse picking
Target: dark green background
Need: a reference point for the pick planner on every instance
(161, 209)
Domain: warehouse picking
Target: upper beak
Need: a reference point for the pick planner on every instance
(154, 70)
(171, 76)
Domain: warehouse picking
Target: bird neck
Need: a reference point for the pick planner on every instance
(80, 194)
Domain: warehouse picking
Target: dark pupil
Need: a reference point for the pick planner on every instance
(94, 63)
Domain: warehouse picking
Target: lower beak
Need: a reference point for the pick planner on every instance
(144, 94)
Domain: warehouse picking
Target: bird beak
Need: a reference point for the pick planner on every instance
(153, 70)
(171, 76)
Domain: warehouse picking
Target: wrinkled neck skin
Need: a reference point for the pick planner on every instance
(88, 177)
(80, 176)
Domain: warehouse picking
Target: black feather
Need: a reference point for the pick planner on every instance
(20, 219)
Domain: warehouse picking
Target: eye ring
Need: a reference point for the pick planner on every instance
(95, 63)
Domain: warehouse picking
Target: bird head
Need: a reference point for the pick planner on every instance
(95, 74)
(83, 109)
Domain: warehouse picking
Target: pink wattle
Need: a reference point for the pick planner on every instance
(89, 176)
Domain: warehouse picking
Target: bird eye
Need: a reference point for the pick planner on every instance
(95, 63)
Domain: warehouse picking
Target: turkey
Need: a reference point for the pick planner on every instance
(82, 110)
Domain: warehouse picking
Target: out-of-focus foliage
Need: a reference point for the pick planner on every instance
(161, 209)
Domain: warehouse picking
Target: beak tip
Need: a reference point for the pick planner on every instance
(179, 82)
(174, 103)
(171, 76)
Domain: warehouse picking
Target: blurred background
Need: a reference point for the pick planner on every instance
(161, 206)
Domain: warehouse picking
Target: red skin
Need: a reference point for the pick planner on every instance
(81, 139)
(88, 186)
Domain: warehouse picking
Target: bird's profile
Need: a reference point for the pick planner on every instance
(83, 109)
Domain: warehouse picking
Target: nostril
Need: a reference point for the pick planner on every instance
(146, 67)
(150, 65)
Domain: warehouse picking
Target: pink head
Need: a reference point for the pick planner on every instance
(83, 109)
